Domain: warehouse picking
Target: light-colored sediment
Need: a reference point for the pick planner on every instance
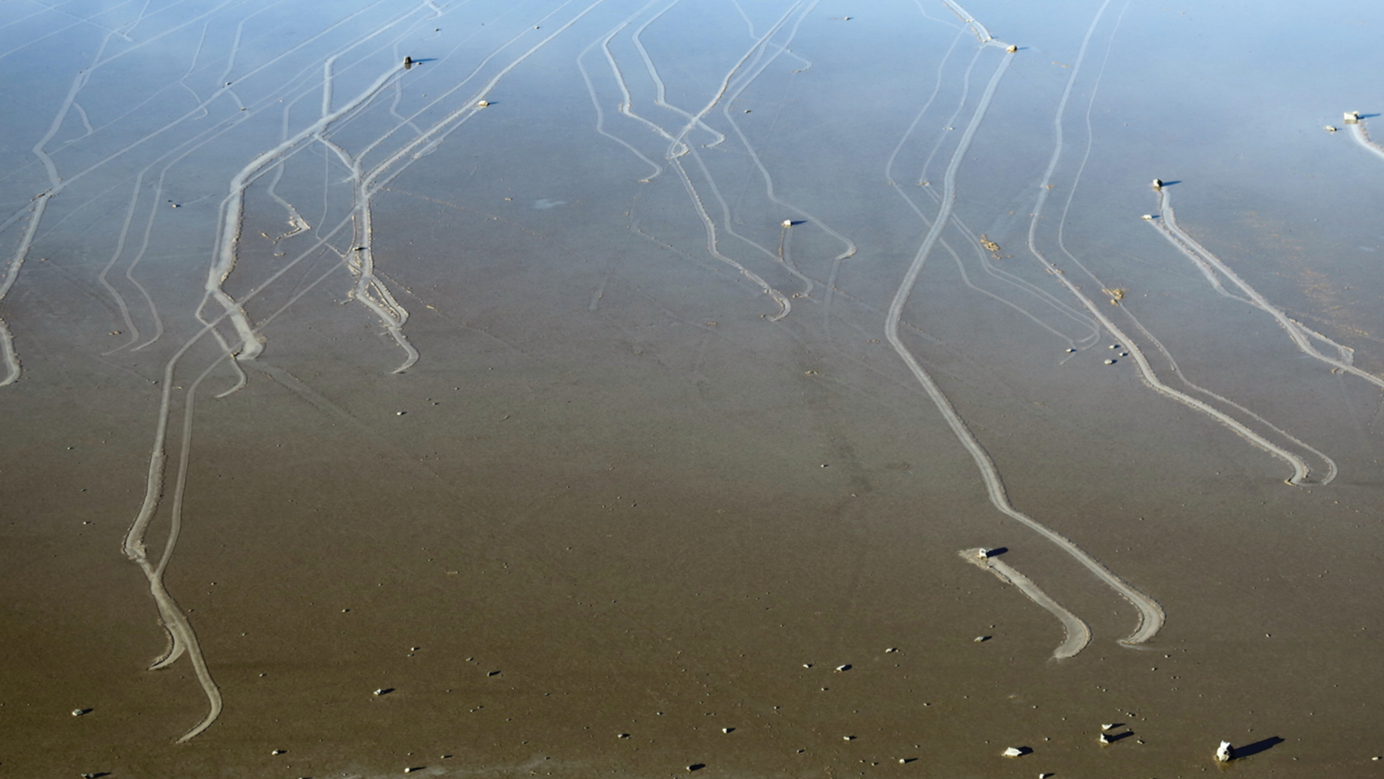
(1150, 613)
(1078, 635)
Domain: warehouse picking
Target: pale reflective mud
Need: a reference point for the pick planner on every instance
(607, 388)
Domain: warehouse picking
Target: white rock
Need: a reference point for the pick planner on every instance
(1015, 752)
(483, 103)
(1225, 752)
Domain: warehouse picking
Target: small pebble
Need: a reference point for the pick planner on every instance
(727, 730)
(1109, 362)
(845, 667)
(79, 712)
(278, 752)
(483, 104)
(982, 639)
(891, 650)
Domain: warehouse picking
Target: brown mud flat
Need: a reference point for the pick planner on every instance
(659, 494)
